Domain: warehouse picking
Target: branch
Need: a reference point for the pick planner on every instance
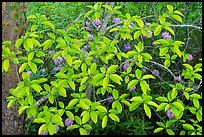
(42, 100)
(106, 19)
(192, 26)
(163, 67)
(75, 20)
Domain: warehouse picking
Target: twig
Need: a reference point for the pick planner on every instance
(42, 100)
(17, 73)
(75, 20)
(187, 26)
(163, 67)
(159, 116)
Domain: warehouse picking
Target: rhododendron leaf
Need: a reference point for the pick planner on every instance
(161, 124)
(116, 78)
(147, 110)
(138, 74)
(94, 116)
(47, 44)
(105, 82)
(161, 106)
(163, 51)
(72, 85)
(85, 117)
(71, 127)
(33, 67)
(104, 121)
(51, 129)
(157, 30)
(87, 126)
(73, 102)
(114, 117)
(158, 129)
(199, 115)
(62, 91)
(82, 131)
(68, 59)
(170, 132)
(110, 56)
(188, 127)
(6, 64)
(29, 42)
(148, 76)
(170, 8)
(18, 43)
(39, 120)
(42, 128)
(137, 34)
(22, 67)
(132, 83)
(169, 29)
(78, 120)
(140, 23)
(176, 17)
(36, 87)
(51, 98)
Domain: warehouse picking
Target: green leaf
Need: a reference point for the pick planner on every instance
(85, 117)
(61, 104)
(161, 124)
(112, 69)
(176, 17)
(163, 51)
(163, 99)
(29, 43)
(137, 34)
(18, 43)
(51, 129)
(132, 83)
(30, 56)
(158, 129)
(140, 23)
(71, 127)
(170, 132)
(157, 30)
(51, 98)
(82, 131)
(36, 87)
(83, 67)
(188, 127)
(144, 86)
(39, 120)
(114, 117)
(105, 82)
(94, 116)
(73, 102)
(161, 106)
(62, 92)
(68, 59)
(148, 76)
(199, 115)
(152, 103)
(70, 115)
(115, 94)
(136, 99)
(170, 8)
(167, 63)
(178, 105)
(113, 29)
(196, 103)
(138, 74)
(33, 67)
(20, 111)
(47, 44)
(104, 121)
(22, 67)
(147, 110)
(84, 80)
(170, 30)
(78, 120)
(72, 85)
(42, 127)
(6, 64)
(162, 19)
(116, 78)
(101, 108)
(87, 126)
(110, 56)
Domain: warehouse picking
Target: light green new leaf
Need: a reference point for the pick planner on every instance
(147, 110)
(114, 117)
(178, 105)
(22, 67)
(104, 121)
(94, 116)
(105, 82)
(112, 69)
(132, 83)
(140, 23)
(20, 111)
(36, 87)
(47, 44)
(148, 76)
(116, 78)
(158, 129)
(176, 17)
(188, 127)
(137, 34)
(6, 64)
(170, 8)
(82, 131)
(39, 120)
(157, 30)
(18, 43)
(72, 85)
(62, 92)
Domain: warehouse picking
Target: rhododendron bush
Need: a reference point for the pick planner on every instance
(100, 72)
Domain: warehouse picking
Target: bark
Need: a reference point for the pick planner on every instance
(106, 19)
(13, 21)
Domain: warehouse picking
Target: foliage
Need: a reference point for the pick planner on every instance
(61, 78)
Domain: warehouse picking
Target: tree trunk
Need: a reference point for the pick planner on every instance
(13, 23)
